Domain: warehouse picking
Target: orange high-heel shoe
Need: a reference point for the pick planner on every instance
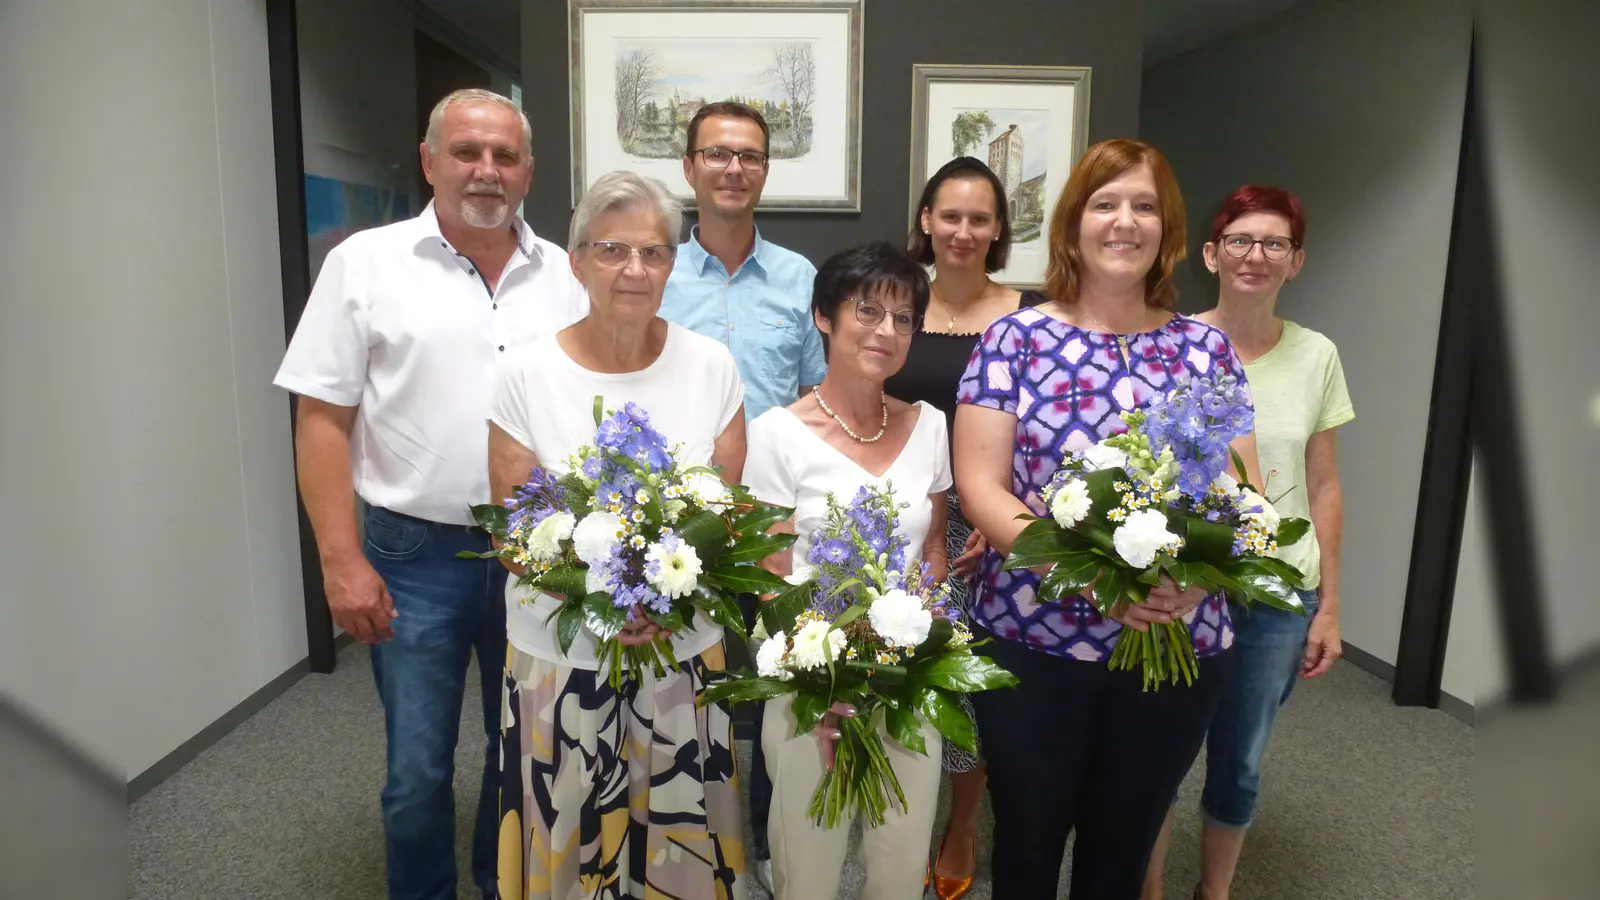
(945, 887)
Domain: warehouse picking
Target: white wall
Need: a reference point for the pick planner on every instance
(149, 567)
(1356, 106)
(1474, 669)
(1541, 97)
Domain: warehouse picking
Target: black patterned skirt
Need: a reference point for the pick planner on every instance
(957, 528)
(617, 794)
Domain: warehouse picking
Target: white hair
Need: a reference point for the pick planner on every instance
(625, 190)
(474, 95)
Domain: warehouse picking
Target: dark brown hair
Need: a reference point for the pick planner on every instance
(920, 246)
(731, 109)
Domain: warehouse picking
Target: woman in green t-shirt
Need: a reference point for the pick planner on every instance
(1256, 246)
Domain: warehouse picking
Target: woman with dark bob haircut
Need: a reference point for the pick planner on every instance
(847, 434)
(962, 228)
(1077, 747)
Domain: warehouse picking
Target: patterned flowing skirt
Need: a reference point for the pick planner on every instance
(957, 528)
(625, 794)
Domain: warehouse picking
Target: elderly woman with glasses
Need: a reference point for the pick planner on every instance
(847, 434)
(615, 792)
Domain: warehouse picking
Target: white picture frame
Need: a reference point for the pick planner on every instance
(640, 68)
(1035, 117)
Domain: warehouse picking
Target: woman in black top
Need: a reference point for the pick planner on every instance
(963, 230)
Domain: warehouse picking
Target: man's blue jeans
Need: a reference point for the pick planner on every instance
(1269, 645)
(447, 608)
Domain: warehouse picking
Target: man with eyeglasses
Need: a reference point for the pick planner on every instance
(754, 296)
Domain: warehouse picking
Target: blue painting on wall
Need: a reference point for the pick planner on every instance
(337, 209)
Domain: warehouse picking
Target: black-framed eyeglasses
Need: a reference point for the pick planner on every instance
(870, 313)
(1275, 246)
(722, 157)
(615, 254)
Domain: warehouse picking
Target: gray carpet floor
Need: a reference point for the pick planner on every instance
(1362, 800)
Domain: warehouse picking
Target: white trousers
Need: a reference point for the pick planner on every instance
(807, 859)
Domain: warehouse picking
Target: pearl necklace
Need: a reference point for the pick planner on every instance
(884, 427)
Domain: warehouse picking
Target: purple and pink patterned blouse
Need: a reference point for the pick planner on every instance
(1066, 387)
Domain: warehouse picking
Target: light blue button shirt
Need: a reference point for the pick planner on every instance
(762, 312)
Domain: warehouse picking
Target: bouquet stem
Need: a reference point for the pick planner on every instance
(861, 777)
(1161, 654)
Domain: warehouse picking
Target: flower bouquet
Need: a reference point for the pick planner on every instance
(629, 534)
(865, 629)
(1157, 500)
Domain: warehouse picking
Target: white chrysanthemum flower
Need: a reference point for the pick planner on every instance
(815, 646)
(1070, 503)
(769, 657)
(596, 536)
(707, 490)
(676, 571)
(900, 618)
(1100, 457)
(1264, 515)
(1227, 484)
(1141, 536)
(544, 542)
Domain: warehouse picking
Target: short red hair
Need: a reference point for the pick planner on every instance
(1253, 198)
(1098, 166)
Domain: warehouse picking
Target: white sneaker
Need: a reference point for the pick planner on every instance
(764, 874)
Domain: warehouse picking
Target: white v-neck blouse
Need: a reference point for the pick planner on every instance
(788, 464)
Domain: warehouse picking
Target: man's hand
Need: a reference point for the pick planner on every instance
(358, 600)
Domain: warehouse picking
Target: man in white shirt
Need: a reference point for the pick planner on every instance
(394, 362)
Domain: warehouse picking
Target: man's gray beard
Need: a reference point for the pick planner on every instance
(474, 215)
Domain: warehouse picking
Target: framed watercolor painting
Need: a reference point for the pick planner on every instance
(1028, 123)
(642, 68)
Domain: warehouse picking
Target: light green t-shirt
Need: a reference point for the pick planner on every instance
(1298, 389)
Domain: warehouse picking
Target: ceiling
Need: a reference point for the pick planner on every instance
(1175, 27)
(1171, 27)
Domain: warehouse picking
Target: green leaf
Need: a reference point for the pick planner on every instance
(568, 621)
(707, 533)
(488, 554)
(758, 547)
(961, 673)
(947, 717)
(1103, 494)
(1290, 575)
(760, 519)
(1238, 466)
(746, 689)
(1150, 577)
(1111, 587)
(743, 580)
(1041, 543)
(724, 610)
(780, 612)
(1290, 531)
(1069, 576)
(1137, 591)
(602, 617)
(850, 615)
(568, 581)
(672, 620)
(1205, 541)
(906, 728)
(492, 517)
(1184, 574)
(808, 711)
(575, 493)
(599, 409)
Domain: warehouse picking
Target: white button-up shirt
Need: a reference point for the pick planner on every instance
(406, 329)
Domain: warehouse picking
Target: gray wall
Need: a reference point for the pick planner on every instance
(149, 569)
(896, 33)
(1357, 106)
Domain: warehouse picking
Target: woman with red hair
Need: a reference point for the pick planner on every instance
(1257, 245)
(1076, 746)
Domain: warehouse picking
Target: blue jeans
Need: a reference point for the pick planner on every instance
(447, 608)
(1269, 645)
